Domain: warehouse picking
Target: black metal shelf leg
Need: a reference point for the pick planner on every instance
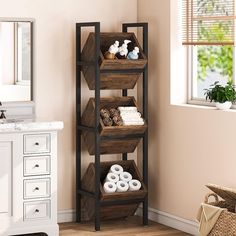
(78, 121)
(145, 114)
(144, 27)
(97, 135)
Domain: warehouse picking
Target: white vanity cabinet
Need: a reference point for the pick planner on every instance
(5, 177)
(28, 178)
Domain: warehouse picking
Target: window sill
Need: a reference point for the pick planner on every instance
(204, 107)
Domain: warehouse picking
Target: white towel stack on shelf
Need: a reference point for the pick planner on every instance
(131, 116)
(118, 180)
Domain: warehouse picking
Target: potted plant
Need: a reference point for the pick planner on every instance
(223, 96)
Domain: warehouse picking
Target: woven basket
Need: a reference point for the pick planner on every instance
(226, 223)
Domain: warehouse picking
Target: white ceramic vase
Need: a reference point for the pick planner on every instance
(223, 106)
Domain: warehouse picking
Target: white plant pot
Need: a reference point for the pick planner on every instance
(223, 106)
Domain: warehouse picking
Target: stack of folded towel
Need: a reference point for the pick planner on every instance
(130, 116)
(118, 180)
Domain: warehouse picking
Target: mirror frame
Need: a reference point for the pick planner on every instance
(16, 106)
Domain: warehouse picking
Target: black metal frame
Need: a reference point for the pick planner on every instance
(95, 130)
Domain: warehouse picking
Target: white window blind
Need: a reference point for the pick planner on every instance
(208, 22)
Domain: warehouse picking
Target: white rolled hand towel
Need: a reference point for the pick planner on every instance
(125, 176)
(133, 122)
(130, 113)
(134, 185)
(116, 169)
(127, 109)
(109, 187)
(127, 116)
(112, 177)
(122, 186)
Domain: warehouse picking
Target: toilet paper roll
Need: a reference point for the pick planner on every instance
(134, 185)
(122, 186)
(125, 176)
(116, 169)
(109, 187)
(112, 177)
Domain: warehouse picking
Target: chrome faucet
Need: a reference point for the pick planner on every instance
(2, 116)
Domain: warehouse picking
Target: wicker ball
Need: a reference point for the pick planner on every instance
(114, 112)
(104, 113)
(117, 120)
(107, 121)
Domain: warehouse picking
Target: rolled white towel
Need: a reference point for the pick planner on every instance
(125, 176)
(130, 108)
(116, 169)
(131, 117)
(133, 122)
(109, 187)
(134, 185)
(122, 186)
(112, 177)
(130, 113)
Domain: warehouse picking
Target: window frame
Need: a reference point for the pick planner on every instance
(190, 79)
(189, 68)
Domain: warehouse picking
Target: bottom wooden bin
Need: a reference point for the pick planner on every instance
(111, 211)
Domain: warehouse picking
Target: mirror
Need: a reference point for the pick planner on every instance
(16, 60)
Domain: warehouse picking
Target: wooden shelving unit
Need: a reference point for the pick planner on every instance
(100, 74)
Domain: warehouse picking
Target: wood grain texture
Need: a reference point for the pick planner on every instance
(112, 80)
(111, 145)
(131, 226)
(111, 212)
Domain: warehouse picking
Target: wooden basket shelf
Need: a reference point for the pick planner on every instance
(111, 80)
(116, 137)
(114, 211)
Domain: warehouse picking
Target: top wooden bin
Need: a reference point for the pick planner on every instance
(110, 79)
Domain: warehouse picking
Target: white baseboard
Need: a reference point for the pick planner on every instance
(161, 217)
(172, 221)
(66, 216)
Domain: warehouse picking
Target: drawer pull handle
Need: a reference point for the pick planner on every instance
(36, 189)
(36, 210)
(36, 144)
(36, 166)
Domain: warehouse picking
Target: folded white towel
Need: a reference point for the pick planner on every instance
(132, 119)
(127, 109)
(131, 116)
(133, 122)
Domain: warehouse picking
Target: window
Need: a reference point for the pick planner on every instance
(208, 33)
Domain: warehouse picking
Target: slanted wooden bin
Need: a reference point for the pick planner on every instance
(116, 137)
(114, 211)
(118, 79)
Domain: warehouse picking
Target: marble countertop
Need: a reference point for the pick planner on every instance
(28, 125)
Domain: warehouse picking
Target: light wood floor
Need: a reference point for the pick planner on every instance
(129, 227)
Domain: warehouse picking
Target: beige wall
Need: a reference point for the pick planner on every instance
(55, 66)
(188, 146)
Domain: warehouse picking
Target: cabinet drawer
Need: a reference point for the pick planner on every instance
(37, 188)
(36, 143)
(37, 165)
(37, 210)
